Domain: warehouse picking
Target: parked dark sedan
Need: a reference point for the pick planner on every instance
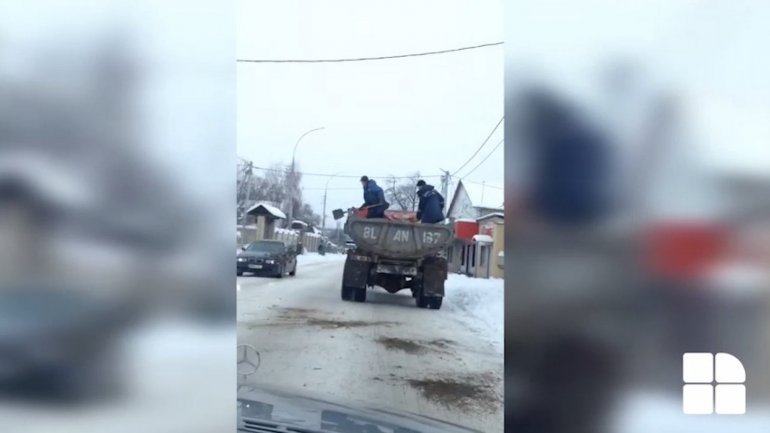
(58, 343)
(267, 257)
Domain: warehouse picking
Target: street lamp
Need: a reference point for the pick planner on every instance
(326, 188)
(293, 157)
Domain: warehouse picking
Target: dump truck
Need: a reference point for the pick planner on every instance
(395, 253)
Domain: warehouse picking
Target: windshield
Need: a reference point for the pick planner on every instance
(266, 247)
(371, 310)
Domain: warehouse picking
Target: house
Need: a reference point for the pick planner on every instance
(479, 225)
(472, 200)
(299, 225)
(265, 216)
(309, 235)
(747, 200)
(490, 244)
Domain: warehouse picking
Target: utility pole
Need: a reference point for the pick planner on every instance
(394, 195)
(245, 188)
(483, 186)
(323, 218)
(326, 190)
(444, 186)
(292, 189)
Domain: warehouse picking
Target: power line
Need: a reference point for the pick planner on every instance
(480, 147)
(332, 189)
(274, 170)
(485, 158)
(361, 59)
(482, 183)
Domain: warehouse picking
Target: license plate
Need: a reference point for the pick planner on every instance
(405, 270)
(255, 266)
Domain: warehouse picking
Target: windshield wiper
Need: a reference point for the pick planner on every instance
(253, 425)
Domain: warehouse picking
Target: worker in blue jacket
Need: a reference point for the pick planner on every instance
(374, 199)
(431, 207)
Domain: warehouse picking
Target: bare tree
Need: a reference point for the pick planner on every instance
(401, 193)
(305, 213)
(275, 187)
(271, 188)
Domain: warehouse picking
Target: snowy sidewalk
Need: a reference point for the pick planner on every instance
(479, 304)
(315, 258)
(476, 302)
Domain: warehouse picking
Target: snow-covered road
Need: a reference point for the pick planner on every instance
(385, 353)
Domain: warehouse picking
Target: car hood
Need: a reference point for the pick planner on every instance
(261, 409)
(257, 254)
(32, 312)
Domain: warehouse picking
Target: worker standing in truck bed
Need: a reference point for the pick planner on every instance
(430, 209)
(374, 199)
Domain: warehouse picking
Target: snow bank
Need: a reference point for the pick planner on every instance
(479, 304)
(315, 258)
(644, 413)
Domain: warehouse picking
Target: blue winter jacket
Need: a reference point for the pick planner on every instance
(373, 194)
(431, 207)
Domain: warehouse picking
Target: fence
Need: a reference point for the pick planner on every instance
(289, 237)
(310, 241)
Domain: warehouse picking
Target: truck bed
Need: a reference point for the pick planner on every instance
(401, 239)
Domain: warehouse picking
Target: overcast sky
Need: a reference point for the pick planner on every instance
(710, 52)
(185, 120)
(389, 117)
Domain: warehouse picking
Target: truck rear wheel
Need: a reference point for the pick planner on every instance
(422, 301)
(359, 295)
(346, 293)
(429, 302)
(355, 279)
(432, 282)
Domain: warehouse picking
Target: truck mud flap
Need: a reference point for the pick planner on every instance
(434, 275)
(356, 274)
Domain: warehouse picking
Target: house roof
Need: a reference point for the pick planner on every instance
(484, 196)
(43, 181)
(266, 209)
(491, 215)
(481, 197)
(455, 195)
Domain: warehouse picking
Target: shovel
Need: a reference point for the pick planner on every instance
(339, 213)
